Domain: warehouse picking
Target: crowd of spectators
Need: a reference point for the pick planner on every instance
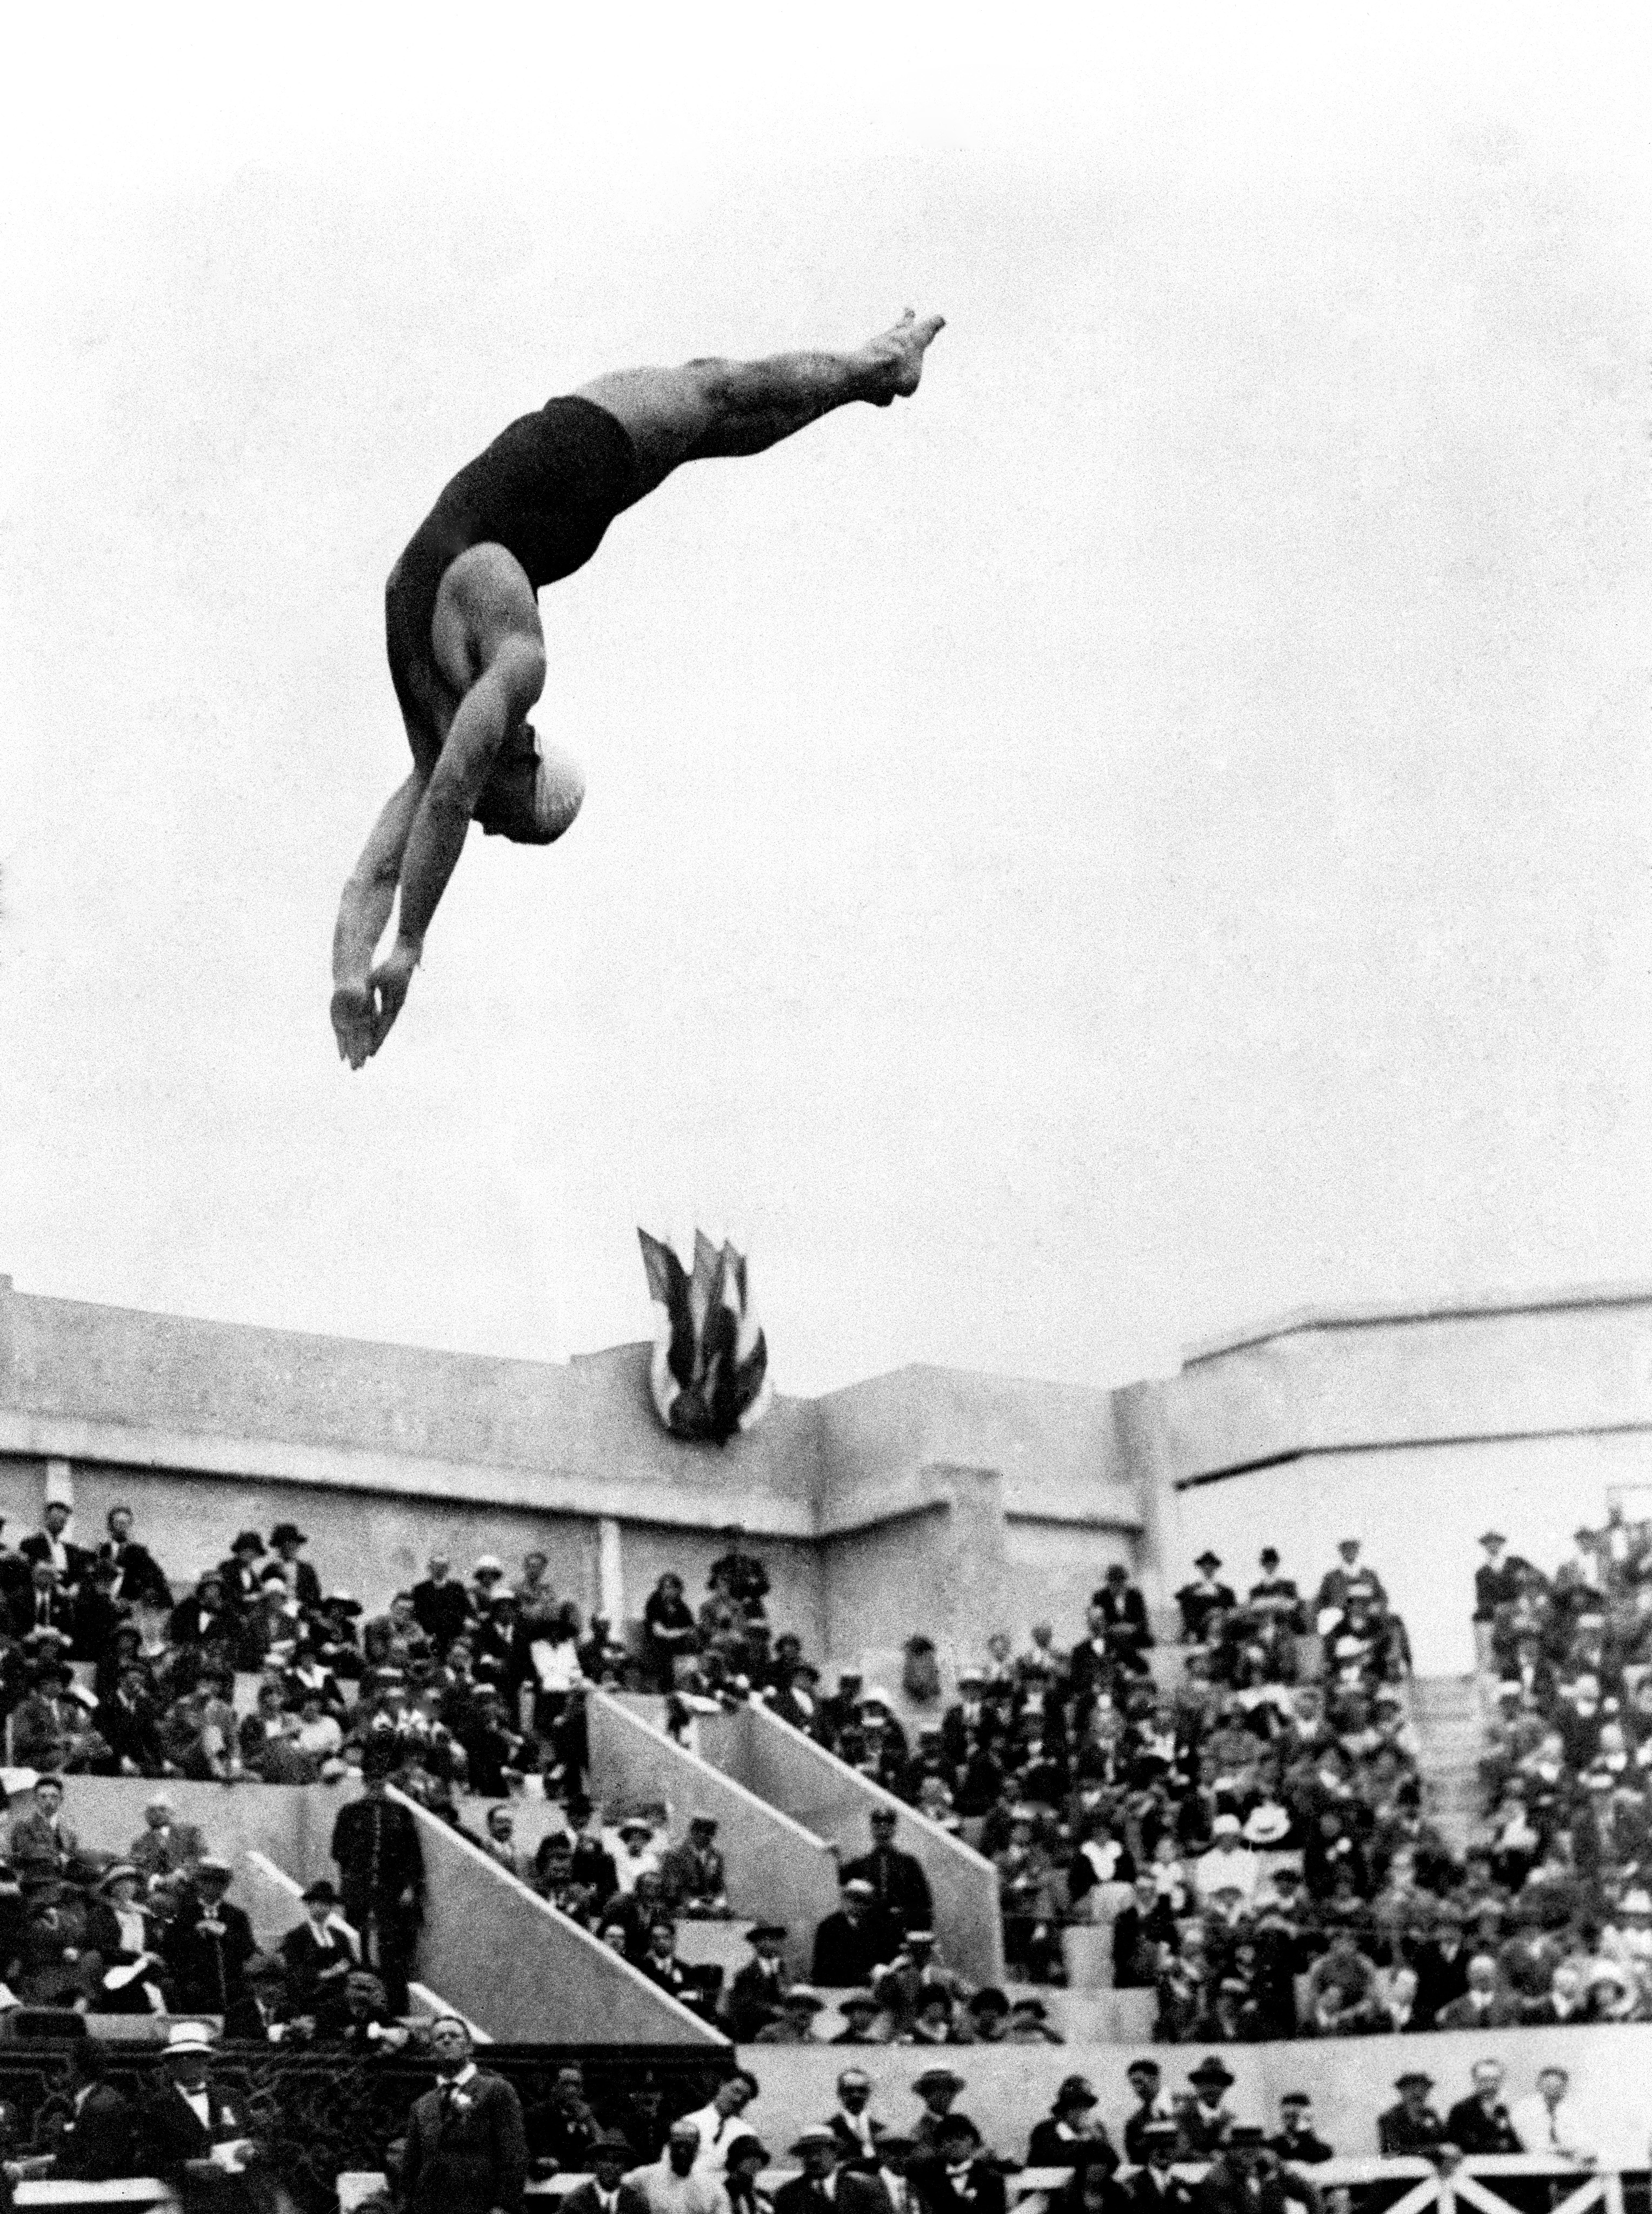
(469, 2145)
(1562, 1863)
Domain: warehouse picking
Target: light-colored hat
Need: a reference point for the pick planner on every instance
(188, 2037)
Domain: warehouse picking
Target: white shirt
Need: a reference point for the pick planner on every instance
(1569, 2130)
(717, 2133)
(1222, 1866)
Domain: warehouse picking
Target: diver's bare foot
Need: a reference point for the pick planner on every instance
(896, 357)
(352, 1022)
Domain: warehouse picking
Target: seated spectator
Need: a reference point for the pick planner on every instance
(900, 1889)
(957, 2178)
(320, 1956)
(43, 1604)
(1229, 1864)
(851, 1944)
(1154, 2189)
(1484, 2005)
(692, 1874)
(670, 1631)
(207, 1947)
(860, 2010)
(1204, 2118)
(98, 2140)
(1296, 2141)
(718, 2125)
(50, 1545)
(1030, 2023)
(139, 1580)
(119, 1930)
(795, 2022)
(165, 1846)
(1072, 2135)
(1481, 2123)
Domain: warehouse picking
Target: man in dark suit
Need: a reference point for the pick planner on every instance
(1412, 2129)
(1496, 1581)
(852, 1943)
(97, 2144)
(900, 1888)
(1480, 2122)
(318, 1956)
(49, 1545)
(856, 2128)
(440, 1605)
(96, 1615)
(1297, 2141)
(466, 2153)
(1070, 2135)
(43, 1604)
(1123, 1613)
(1245, 2179)
(141, 1582)
(605, 2191)
(1153, 2105)
(381, 1876)
(207, 1948)
(955, 2179)
(1202, 1597)
(187, 2116)
(823, 2184)
(758, 1986)
(1154, 2188)
(301, 1580)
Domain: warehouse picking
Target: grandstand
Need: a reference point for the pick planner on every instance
(1050, 1727)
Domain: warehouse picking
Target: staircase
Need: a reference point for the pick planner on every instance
(1450, 1721)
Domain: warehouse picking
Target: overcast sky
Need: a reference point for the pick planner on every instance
(1150, 834)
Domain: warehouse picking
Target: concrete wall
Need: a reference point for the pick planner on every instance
(779, 1869)
(293, 1826)
(791, 1770)
(1008, 2088)
(525, 1973)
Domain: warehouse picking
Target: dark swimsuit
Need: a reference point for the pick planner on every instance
(546, 490)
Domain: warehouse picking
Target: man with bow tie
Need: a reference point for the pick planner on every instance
(957, 2178)
(188, 2121)
(466, 2152)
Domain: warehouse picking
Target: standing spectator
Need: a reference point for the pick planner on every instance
(1153, 2109)
(1205, 2118)
(381, 1876)
(670, 1631)
(187, 2118)
(742, 1575)
(48, 1544)
(1123, 1613)
(139, 1579)
(466, 2153)
(900, 1889)
(1202, 1598)
(240, 1573)
(718, 2125)
(441, 1607)
(207, 1948)
(857, 2129)
(320, 1956)
(758, 1986)
(1496, 1582)
(97, 2144)
(286, 1540)
(1481, 2123)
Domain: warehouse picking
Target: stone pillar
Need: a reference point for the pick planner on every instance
(59, 1485)
(968, 1594)
(610, 1574)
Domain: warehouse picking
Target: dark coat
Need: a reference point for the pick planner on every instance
(98, 2143)
(585, 2200)
(1145, 2196)
(1472, 2130)
(315, 1975)
(1048, 2147)
(172, 2135)
(846, 1953)
(1401, 2135)
(1221, 2190)
(378, 1856)
(441, 1610)
(465, 2162)
(26, 1612)
(141, 1579)
(208, 1969)
(38, 1547)
(900, 1887)
(982, 2192)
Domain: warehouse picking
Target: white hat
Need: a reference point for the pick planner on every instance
(489, 1561)
(1224, 1825)
(188, 2037)
(1636, 1902)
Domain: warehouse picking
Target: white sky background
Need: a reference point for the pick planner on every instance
(1151, 833)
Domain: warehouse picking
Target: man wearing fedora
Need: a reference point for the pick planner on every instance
(605, 2190)
(1202, 1597)
(286, 1540)
(758, 1986)
(826, 2181)
(1412, 2130)
(466, 2152)
(853, 1944)
(1205, 2118)
(938, 2087)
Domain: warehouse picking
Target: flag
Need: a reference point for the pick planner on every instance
(709, 1374)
